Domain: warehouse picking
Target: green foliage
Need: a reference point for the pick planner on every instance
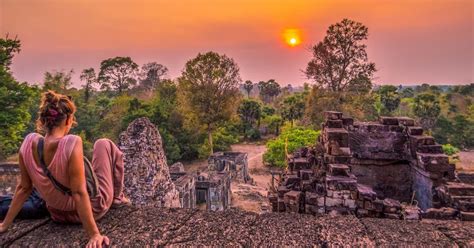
(408, 92)
(88, 75)
(118, 73)
(292, 107)
(249, 112)
(297, 137)
(389, 98)
(8, 49)
(222, 139)
(269, 90)
(253, 134)
(151, 75)
(248, 86)
(209, 86)
(340, 61)
(58, 81)
(273, 123)
(15, 99)
(450, 150)
(427, 108)
(268, 110)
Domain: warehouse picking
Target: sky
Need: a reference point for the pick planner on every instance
(410, 41)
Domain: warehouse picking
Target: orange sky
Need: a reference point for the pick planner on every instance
(411, 41)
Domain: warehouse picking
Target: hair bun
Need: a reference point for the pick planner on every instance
(52, 98)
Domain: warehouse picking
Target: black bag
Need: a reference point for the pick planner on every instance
(91, 179)
(33, 208)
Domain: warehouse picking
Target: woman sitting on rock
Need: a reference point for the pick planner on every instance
(58, 172)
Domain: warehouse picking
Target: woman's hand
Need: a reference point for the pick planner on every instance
(97, 241)
(3, 227)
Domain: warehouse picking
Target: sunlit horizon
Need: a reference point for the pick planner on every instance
(268, 39)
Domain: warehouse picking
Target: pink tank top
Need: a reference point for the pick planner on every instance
(60, 205)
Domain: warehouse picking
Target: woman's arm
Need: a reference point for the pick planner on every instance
(22, 192)
(77, 181)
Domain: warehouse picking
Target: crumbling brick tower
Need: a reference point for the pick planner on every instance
(368, 168)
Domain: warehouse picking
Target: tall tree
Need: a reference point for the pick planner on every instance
(293, 108)
(210, 88)
(248, 86)
(249, 112)
(9, 47)
(427, 108)
(341, 57)
(15, 99)
(119, 73)
(269, 90)
(88, 75)
(389, 98)
(151, 75)
(58, 81)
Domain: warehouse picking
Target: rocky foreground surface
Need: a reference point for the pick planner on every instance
(150, 226)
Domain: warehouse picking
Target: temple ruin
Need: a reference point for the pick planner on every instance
(235, 163)
(373, 169)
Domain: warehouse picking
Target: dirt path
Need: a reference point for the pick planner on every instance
(252, 197)
(466, 161)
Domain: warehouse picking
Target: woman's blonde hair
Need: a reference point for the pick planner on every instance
(54, 108)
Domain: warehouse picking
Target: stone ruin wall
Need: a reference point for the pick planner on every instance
(147, 177)
(235, 163)
(9, 177)
(368, 169)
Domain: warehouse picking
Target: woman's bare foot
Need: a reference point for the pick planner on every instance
(123, 201)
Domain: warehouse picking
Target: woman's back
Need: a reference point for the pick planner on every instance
(58, 165)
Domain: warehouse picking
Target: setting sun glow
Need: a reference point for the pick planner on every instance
(292, 37)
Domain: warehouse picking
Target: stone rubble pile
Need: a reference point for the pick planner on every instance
(385, 169)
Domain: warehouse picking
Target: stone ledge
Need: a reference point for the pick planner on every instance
(150, 226)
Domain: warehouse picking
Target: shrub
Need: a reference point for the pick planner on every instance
(253, 134)
(222, 139)
(450, 150)
(297, 137)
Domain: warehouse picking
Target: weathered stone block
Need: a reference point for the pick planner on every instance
(340, 183)
(392, 216)
(378, 205)
(334, 124)
(369, 205)
(332, 115)
(460, 189)
(406, 121)
(416, 131)
(430, 149)
(467, 216)
(361, 213)
(311, 198)
(333, 202)
(339, 135)
(347, 121)
(282, 190)
(330, 159)
(385, 120)
(391, 205)
(440, 213)
(349, 203)
(410, 212)
(292, 180)
(338, 170)
(366, 192)
(305, 174)
(292, 201)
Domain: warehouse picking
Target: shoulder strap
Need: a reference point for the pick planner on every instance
(53, 180)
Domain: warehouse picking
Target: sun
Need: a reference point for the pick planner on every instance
(292, 36)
